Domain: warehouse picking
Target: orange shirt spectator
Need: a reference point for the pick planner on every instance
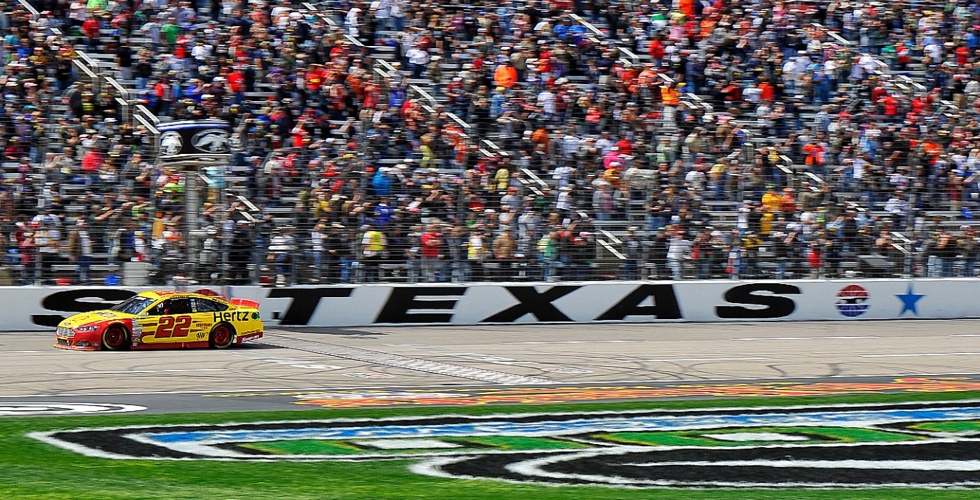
(814, 153)
(647, 76)
(505, 76)
(768, 91)
(788, 203)
(687, 7)
(670, 95)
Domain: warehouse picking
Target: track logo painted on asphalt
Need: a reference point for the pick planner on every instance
(19, 409)
(914, 444)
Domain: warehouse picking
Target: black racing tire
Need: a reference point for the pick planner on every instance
(222, 336)
(115, 338)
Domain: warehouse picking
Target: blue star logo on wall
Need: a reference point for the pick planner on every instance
(909, 300)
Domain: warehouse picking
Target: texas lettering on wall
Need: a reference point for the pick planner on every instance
(435, 304)
(507, 303)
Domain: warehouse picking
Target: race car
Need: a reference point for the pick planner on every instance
(160, 320)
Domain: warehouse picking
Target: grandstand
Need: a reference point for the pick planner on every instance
(539, 140)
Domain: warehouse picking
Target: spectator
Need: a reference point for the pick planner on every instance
(431, 253)
(710, 112)
(79, 250)
(281, 252)
(373, 245)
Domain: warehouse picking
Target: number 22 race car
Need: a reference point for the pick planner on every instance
(160, 320)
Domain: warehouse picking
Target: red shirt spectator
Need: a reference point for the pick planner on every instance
(891, 105)
(92, 162)
(236, 81)
(625, 147)
(962, 55)
(315, 78)
(656, 49)
(431, 241)
(91, 28)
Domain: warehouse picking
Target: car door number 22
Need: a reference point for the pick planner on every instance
(173, 326)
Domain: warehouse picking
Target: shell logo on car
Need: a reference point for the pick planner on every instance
(158, 320)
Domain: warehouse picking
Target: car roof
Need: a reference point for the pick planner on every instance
(159, 294)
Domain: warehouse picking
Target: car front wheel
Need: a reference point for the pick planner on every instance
(115, 338)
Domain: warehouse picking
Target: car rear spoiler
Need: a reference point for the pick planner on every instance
(234, 301)
(244, 302)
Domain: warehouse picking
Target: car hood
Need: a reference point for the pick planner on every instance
(92, 317)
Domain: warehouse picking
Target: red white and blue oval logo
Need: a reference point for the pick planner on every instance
(852, 301)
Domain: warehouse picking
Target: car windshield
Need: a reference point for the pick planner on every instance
(133, 305)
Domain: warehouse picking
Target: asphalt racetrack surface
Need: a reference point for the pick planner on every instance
(289, 367)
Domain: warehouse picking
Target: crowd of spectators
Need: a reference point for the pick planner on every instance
(538, 140)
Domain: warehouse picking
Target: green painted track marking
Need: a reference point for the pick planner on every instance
(362, 447)
(518, 443)
(813, 435)
(304, 447)
(961, 426)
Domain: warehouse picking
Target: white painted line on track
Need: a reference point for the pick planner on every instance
(405, 362)
(126, 372)
(543, 342)
(286, 392)
(205, 392)
(917, 355)
(671, 360)
(839, 337)
(293, 363)
(965, 335)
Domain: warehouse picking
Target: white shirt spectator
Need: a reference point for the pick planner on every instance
(201, 52)
(397, 8)
(382, 9)
(742, 219)
(896, 206)
(570, 144)
(695, 178)
(604, 145)
(417, 56)
(78, 11)
(316, 240)
(546, 101)
(678, 248)
(564, 200)
(353, 21)
(282, 243)
(562, 175)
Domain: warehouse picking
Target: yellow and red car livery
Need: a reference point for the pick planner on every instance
(160, 320)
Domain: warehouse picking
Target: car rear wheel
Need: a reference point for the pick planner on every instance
(115, 338)
(222, 336)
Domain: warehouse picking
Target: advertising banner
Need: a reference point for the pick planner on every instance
(40, 308)
(191, 140)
